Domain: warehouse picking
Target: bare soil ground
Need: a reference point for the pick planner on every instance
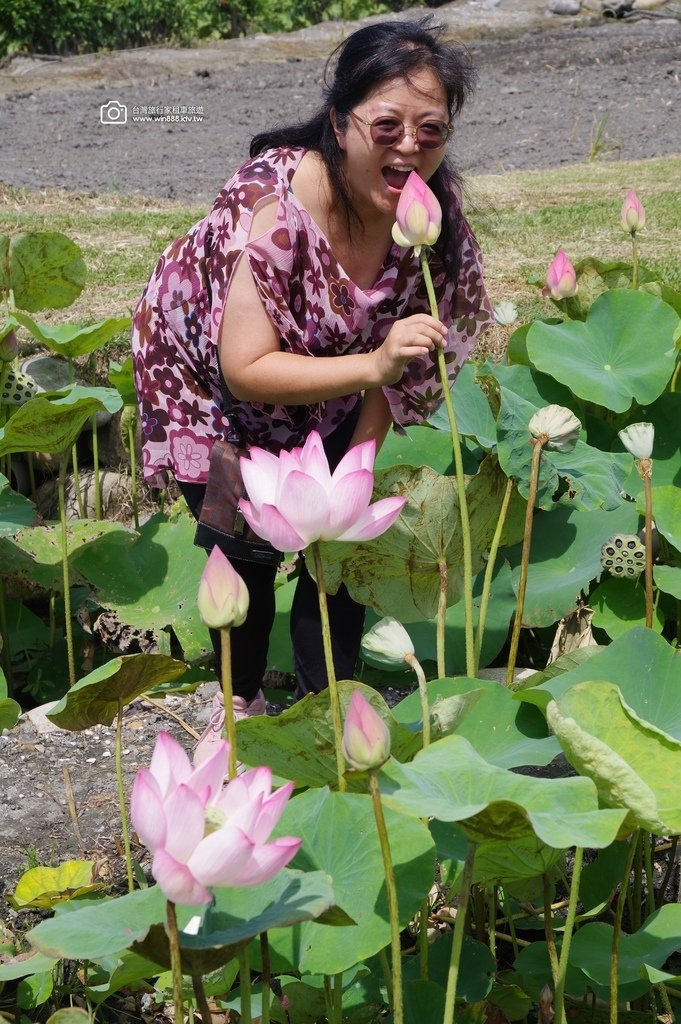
(545, 84)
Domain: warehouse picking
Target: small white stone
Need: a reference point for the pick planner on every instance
(90, 760)
(564, 7)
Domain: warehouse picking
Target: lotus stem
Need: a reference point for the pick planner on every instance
(245, 987)
(175, 959)
(675, 376)
(330, 668)
(671, 863)
(424, 916)
(387, 976)
(4, 633)
(396, 949)
(645, 471)
(133, 474)
(441, 619)
(491, 919)
(121, 794)
(229, 728)
(338, 998)
(65, 571)
(559, 1000)
(423, 694)
(648, 843)
(617, 928)
(201, 1001)
(31, 475)
(489, 570)
(638, 883)
(634, 261)
(548, 929)
(76, 483)
(266, 978)
(95, 462)
(460, 480)
(511, 924)
(328, 999)
(537, 445)
(457, 937)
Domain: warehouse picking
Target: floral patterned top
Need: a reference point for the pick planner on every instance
(313, 305)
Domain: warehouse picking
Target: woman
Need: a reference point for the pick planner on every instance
(296, 262)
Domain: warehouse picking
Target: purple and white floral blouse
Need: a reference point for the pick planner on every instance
(313, 305)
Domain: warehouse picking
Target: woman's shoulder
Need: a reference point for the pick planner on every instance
(268, 172)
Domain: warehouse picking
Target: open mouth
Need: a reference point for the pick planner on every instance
(396, 177)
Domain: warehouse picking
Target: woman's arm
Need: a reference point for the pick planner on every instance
(374, 420)
(256, 370)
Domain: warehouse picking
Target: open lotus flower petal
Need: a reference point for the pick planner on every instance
(638, 439)
(506, 313)
(418, 215)
(633, 215)
(388, 642)
(366, 737)
(559, 424)
(203, 833)
(223, 596)
(561, 279)
(311, 503)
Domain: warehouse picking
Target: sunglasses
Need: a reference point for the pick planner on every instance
(388, 131)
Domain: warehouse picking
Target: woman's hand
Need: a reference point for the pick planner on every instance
(407, 339)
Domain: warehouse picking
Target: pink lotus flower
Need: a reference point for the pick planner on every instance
(633, 215)
(366, 737)
(202, 833)
(561, 279)
(419, 216)
(295, 500)
(223, 595)
(9, 345)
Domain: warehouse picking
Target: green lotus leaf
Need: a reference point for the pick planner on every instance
(618, 605)
(633, 765)
(9, 709)
(73, 340)
(15, 510)
(399, 572)
(565, 557)
(298, 744)
(43, 545)
(44, 887)
(665, 415)
(494, 725)
(42, 425)
(95, 699)
(24, 966)
(594, 277)
(651, 945)
(472, 409)
(45, 270)
(476, 972)
(69, 1015)
(644, 667)
(451, 782)
(600, 359)
(497, 861)
(667, 578)
(340, 838)
(122, 378)
(418, 446)
(667, 512)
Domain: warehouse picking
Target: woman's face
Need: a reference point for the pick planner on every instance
(376, 174)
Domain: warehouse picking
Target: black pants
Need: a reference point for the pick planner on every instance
(250, 641)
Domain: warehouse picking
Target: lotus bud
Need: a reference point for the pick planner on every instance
(366, 737)
(559, 425)
(387, 643)
(561, 279)
(418, 215)
(223, 595)
(506, 313)
(638, 439)
(9, 346)
(633, 215)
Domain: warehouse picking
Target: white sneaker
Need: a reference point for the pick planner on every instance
(214, 731)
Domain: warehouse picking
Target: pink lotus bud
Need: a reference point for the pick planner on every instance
(561, 279)
(9, 346)
(223, 595)
(366, 738)
(633, 215)
(419, 216)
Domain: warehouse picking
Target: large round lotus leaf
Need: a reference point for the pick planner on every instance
(665, 415)
(73, 340)
(619, 605)
(299, 743)
(476, 974)
(339, 837)
(498, 729)
(472, 409)
(644, 667)
(121, 376)
(565, 557)
(42, 425)
(110, 399)
(45, 887)
(46, 270)
(634, 765)
(497, 861)
(9, 709)
(399, 573)
(43, 545)
(418, 446)
(94, 700)
(667, 578)
(654, 942)
(667, 512)
(153, 581)
(622, 352)
(23, 966)
(594, 277)
(586, 478)
(451, 782)
(15, 510)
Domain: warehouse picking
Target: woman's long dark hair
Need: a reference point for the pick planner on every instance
(365, 60)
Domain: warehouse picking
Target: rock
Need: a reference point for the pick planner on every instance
(564, 7)
(499, 674)
(116, 496)
(39, 720)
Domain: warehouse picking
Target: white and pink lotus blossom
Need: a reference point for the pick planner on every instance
(366, 737)
(561, 279)
(295, 499)
(633, 216)
(223, 596)
(202, 833)
(418, 216)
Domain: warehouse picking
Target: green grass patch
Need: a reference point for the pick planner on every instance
(520, 218)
